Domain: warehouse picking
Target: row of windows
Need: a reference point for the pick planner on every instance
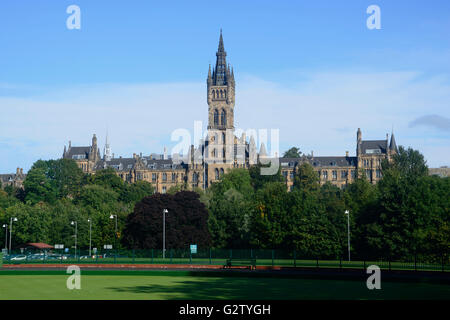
(369, 162)
(219, 94)
(334, 174)
(164, 177)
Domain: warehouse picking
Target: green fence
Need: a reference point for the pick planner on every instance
(206, 256)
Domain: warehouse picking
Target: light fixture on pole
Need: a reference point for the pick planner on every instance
(112, 216)
(74, 223)
(10, 232)
(348, 232)
(90, 236)
(6, 235)
(164, 232)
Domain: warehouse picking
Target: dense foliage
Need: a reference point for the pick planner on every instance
(185, 222)
(406, 214)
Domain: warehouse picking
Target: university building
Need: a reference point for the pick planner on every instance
(222, 150)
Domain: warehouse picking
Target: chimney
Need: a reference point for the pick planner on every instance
(70, 144)
(165, 153)
(18, 171)
(134, 155)
(21, 170)
(140, 155)
(346, 154)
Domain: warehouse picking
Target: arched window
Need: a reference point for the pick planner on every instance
(221, 172)
(216, 117)
(217, 174)
(221, 93)
(195, 177)
(223, 117)
(225, 94)
(214, 94)
(223, 137)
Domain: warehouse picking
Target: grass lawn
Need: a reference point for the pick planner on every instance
(180, 285)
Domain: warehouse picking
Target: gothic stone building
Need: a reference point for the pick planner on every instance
(222, 150)
(13, 179)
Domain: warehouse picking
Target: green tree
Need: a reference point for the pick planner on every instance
(306, 179)
(293, 152)
(38, 187)
(229, 203)
(270, 218)
(135, 192)
(258, 180)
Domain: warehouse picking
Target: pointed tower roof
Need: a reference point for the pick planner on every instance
(262, 150)
(220, 75)
(221, 46)
(392, 144)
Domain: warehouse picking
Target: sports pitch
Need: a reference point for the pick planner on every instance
(167, 285)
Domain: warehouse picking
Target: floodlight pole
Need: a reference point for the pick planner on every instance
(10, 232)
(76, 231)
(164, 233)
(6, 235)
(115, 236)
(90, 236)
(348, 232)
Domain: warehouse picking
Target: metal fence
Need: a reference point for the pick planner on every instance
(206, 256)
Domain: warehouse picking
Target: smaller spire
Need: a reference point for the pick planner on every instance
(262, 150)
(221, 46)
(393, 144)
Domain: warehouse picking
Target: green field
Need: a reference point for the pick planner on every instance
(184, 285)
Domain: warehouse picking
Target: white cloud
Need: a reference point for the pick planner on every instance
(321, 112)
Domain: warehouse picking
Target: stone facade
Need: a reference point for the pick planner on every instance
(13, 179)
(222, 150)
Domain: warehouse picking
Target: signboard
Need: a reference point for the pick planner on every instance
(59, 246)
(193, 248)
(107, 246)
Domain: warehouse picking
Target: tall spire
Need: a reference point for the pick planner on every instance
(220, 74)
(107, 149)
(221, 47)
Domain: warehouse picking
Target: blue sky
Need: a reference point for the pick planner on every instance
(312, 69)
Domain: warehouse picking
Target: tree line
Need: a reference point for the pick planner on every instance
(405, 214)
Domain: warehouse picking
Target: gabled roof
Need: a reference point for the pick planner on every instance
(120, 164)
(77, 151)
(368, 145)
(8, 177)
(320, 161)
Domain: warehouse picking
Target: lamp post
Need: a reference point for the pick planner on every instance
(348, 232)
(164, 232)
(10, 231)
(76, 231)
(6, 235)
(115, 237)
(90, 236)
